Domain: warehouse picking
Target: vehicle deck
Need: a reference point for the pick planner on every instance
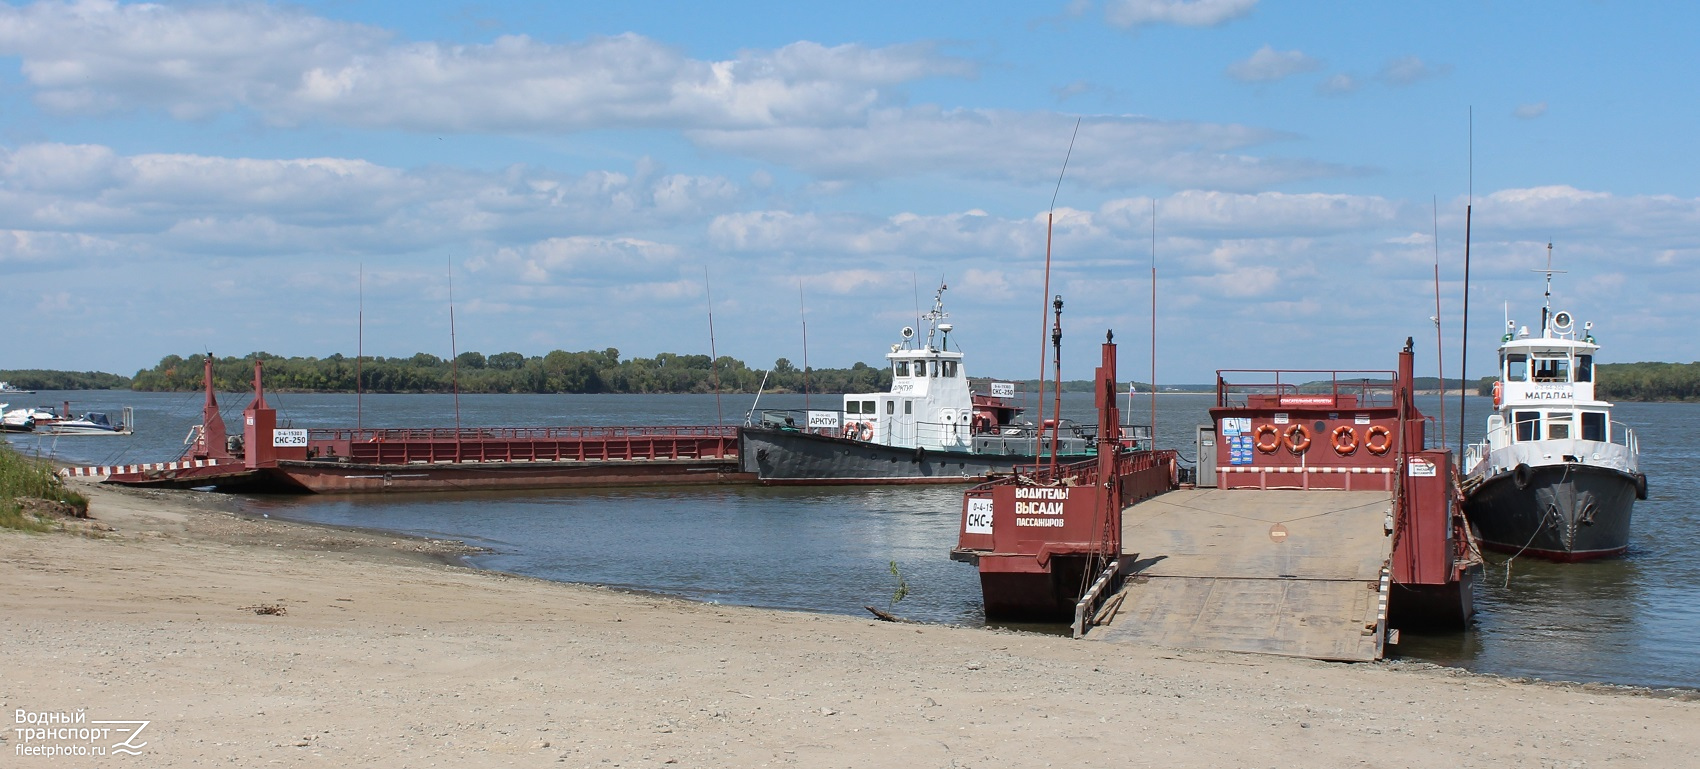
(1212, 571)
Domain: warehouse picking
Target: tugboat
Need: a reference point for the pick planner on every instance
(1556, 477)
(929, 428)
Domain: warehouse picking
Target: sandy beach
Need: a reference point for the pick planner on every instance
(258, 642)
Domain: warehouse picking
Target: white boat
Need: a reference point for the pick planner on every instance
(6, 388)
(24, 420)
(1556, 477)
(929, 428)
(91, 423)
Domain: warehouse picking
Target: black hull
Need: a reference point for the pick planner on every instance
(1562, 512)
(791, 457)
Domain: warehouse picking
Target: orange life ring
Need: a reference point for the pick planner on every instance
(1384, 434)
(867, 433)
(850, 431)
(1298, 439)
(1496, 394)
(1345, 440)
(1273, 444)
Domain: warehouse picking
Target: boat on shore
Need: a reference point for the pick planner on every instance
(930, 427)
(1556, 477)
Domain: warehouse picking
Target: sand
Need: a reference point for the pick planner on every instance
(385, 655)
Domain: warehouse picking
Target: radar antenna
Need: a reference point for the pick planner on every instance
(1546, 302)
(936, 314)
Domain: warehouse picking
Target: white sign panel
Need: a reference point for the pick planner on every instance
(1003, 389)
(1235, 425)
(823, 420)
(289, 438)
(979, 520)
(1421, 468)
(1280, 417)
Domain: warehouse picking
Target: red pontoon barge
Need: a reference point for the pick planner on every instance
(267, 457)
(1320, 524)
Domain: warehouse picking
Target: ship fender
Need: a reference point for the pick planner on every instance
(920, 454)
(1641, 486)
(1521, 475)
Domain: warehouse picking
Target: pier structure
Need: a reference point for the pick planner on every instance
(1321, 525)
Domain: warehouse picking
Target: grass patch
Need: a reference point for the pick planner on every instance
(23, 479)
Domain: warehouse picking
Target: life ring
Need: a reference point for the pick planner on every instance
(1345, 440)
(850, 431)
(1386, 436)
(867, 432)
(1274, 442)
(1521, 475)
(1298, 439)
(1497, 391)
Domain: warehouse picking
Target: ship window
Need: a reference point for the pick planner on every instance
(1584, 368)
(1558, 425)
(1528, 425)
(869, 408)
(935, 368)
(1517, 367)
(852, 407)
(890, 407)
(902, 368)
(908, 407)
(1552, 369)
(950, 368)
(1594, 426)
(920, 368)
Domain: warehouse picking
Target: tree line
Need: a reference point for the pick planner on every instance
(508, 372)
(39, 379)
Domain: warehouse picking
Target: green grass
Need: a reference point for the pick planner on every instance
(24, 478)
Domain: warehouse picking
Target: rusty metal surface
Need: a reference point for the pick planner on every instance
(1294, 573)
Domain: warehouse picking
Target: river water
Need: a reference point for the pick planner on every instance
(1629, 620)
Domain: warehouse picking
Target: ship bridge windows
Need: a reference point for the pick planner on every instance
(1559, 424)
(860, 407)
(1528, 425)
(1584, 368)
(920, 368)
(1551, 369)
(901, 368)
(1594, 426)
(935, 367)
(1517, 367)
(950, 368)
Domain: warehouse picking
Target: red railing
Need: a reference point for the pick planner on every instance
(1366, 388)
(521, 444)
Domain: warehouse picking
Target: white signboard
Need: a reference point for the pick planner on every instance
(1421, 468)
(979, 520)
(1280, 417)
(823, 420)
(289, 438)
(1360, 419)
(1003, 389)
(1235, 425)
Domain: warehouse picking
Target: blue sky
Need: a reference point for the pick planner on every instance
(183, 177)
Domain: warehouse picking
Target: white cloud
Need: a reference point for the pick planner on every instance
(1337, 84)
(1026, 148)
(1530, 111)
(1406, 70)
(1267, 65)
(290, 67)
(602, 261)
(1185, 13)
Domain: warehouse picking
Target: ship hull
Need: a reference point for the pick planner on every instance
(789, 457)
(324, 477)
(1563, 512)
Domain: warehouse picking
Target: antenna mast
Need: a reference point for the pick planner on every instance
(1464, 353)
(454, 357)
(359, 348)
(713, 355)
(1439, 338)
(1050, 218)
(1153, 329)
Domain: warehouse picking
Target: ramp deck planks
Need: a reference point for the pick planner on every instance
(1209, 575)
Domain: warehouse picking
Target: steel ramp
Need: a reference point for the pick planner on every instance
(1211, 570)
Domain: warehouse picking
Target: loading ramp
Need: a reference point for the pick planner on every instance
(1286, 572)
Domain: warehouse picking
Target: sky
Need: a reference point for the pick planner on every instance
(331, 176)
